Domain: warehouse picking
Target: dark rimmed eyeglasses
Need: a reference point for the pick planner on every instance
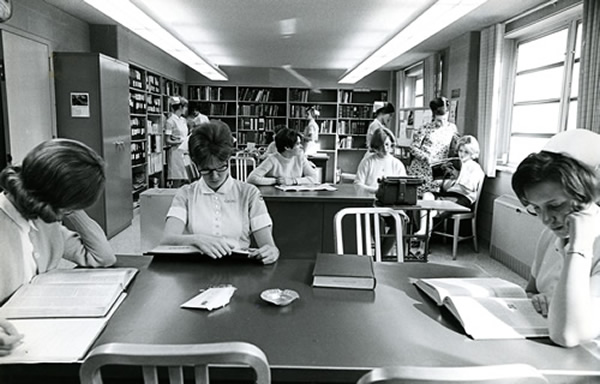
(207, 171)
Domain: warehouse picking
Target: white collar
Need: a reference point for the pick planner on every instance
(223, 189)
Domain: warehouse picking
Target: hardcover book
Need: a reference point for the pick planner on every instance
(487, 308)
(344, 271)
(446, 168)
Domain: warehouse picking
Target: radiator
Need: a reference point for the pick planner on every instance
(515, 234)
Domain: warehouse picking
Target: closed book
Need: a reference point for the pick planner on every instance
(344, 271)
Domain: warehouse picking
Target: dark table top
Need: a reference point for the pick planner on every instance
(344, 192)
(327, 332)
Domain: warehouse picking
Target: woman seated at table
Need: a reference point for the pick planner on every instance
(41, 216)
(288, 166)
(559, 185)
(218, 214)
(379, 162)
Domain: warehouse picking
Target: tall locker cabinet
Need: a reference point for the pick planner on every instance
(103, 125)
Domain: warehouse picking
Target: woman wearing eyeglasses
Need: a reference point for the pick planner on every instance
(560, 186)
(218, 214)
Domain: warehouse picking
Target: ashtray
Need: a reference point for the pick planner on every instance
(279, 296)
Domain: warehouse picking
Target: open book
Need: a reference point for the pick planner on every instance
(297, 188)
(69, 293)
(443, 169)
(487, 308)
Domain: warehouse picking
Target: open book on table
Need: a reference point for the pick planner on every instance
(444, 168)
(68, 293)
(297, 188)
(487, 308)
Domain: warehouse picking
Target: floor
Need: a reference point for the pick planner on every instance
(128, 242)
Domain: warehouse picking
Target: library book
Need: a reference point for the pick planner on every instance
(487, 308)
(344, 271)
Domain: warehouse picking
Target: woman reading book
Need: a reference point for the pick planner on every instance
(289, 166)
(218, 214)
(560, 186)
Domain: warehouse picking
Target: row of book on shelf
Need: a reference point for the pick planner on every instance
(260, 109)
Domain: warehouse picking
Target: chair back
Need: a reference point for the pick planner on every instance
(368, 230)
(175, 357)
(491, 374)
(241, 166)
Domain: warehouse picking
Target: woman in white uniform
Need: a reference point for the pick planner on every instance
(176, 131)
(383, 115)
(219, 214)
(311, 132)
(559, 185)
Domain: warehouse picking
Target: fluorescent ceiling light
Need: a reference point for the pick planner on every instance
(133, 18)
(430, 22)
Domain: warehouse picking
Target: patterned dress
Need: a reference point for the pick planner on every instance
(431, 143)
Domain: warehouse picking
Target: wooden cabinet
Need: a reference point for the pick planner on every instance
(103, 125)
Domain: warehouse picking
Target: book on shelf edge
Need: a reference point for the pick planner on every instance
(344, 271)
(488, 307)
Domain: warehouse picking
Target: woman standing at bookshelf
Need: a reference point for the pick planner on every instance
(219, 214)
(560, 185)
(311, 132)
(176, 131)
(41, 213)
(383, 115)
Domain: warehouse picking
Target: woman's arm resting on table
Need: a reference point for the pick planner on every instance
(85, 241)
(212, 246)
(257, 176)
(267, 251)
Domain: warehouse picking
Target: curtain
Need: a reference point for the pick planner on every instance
(490, 80)
(588, 107)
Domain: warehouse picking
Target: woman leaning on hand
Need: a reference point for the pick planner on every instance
(560, 186)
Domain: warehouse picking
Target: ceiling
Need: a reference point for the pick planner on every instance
(311, 34)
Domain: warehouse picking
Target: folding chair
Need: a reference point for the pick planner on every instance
(241, 166)
(368, 230)
(175, 357)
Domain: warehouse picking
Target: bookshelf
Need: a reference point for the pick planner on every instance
(148, 109)
(252, 112)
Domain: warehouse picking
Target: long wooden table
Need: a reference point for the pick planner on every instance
(328, 335)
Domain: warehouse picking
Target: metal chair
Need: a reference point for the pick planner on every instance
(457, 218)
(175, 357)
(241, 166)
(368, 230)
(491, 374)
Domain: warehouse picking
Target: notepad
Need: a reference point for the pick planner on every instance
(299, 188)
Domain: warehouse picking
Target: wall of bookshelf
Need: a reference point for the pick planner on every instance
(148, 109)
(253, 112)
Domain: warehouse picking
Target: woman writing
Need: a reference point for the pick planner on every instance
(559, 185)
(218, 214)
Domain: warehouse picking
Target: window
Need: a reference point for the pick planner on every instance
(544, 96)
(419, 92)
(414, 86)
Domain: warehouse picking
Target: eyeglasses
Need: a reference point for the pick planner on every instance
(207, 171)
(551, 209)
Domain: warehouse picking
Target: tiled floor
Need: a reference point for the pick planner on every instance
(128, 242)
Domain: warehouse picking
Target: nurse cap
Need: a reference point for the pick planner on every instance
(580, 144)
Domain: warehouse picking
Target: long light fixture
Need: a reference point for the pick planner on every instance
(131, 17)
(434, 19)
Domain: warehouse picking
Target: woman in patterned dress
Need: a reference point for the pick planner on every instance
(432, 142)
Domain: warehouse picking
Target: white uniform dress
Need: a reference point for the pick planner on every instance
(177, 127)
(234, 211)
(311, 135)
(373, 167)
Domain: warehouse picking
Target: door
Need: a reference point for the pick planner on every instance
(27, 94)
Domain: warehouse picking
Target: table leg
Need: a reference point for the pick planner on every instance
(427, 235)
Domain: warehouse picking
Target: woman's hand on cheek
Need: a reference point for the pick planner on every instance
(583, 227)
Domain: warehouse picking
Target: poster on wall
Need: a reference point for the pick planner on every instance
(453, 111)
(80, 104)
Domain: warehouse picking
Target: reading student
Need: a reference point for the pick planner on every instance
(288, 166)
(218, 214)
(41, 217)
(560, 185)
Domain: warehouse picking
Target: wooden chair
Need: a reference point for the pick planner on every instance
(368, 230)
(175, 357)
(491, 374)
(241, 166)
(457, 219)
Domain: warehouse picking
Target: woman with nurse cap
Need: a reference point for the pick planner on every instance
(560, 186)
